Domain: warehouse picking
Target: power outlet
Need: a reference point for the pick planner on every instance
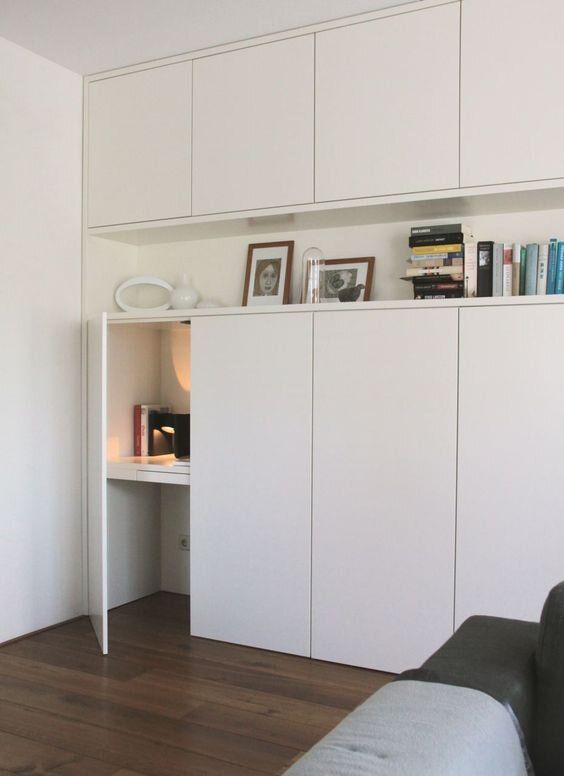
(184, 542)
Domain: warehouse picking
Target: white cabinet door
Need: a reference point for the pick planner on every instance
(384, 481)
(387, 105)
(510, 536)
(97, 506)
(139, 146)
(512, 79)
(253, 127)
(251, 480)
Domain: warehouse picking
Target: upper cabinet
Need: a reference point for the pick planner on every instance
(421, 100)
(253, 127)
(139, 146)
(387, 105)
(512, 110)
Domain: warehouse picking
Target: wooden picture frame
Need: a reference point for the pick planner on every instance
(268, 274)
(344, 274)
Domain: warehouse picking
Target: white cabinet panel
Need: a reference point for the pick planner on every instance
(384, 481)
(139, 146)
(251, 480)
(97, 490)
(510, 536)
(253, 127)
(387, 105)
(512, 79)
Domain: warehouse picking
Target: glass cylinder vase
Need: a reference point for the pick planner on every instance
(313, 286)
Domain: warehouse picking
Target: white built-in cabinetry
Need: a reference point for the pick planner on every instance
(97, 509)
(362, 479)
(511, 85)
(384, 485)
(387, 105)
(139, 128)
(419, 99)
(510, 532)
(251, 480)
(253, 127)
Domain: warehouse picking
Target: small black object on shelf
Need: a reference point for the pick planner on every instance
(350, 294)
(169, 432)
(161, 433)
(181, 444)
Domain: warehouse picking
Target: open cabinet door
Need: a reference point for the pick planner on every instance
(97, 510)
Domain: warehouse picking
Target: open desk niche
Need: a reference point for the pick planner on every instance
(139, 524)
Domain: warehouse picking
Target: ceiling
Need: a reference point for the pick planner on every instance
(88, 36)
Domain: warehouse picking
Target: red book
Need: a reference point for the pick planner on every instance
(137, 429)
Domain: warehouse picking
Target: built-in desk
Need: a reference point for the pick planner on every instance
(162, 469)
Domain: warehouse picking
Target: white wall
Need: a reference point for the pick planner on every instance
(40, 307)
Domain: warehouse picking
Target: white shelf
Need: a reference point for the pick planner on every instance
(415, 206)
(163, 469)
(175, 316)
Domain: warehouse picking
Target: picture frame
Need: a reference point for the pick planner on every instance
(268, 273)
(346, 274)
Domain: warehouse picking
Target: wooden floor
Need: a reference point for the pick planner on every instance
(163, 703)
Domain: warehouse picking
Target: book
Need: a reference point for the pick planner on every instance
(413, 272)
(551, 271)
(438, 290)
(470, 269)
(137, 429)
(436, 261)
(441, 283)
(145, 411)
(523, 270)
(436, 255)
(507, 281)
(441, 229)
(485, 262)
(497, 270)
(516, 270)
(438, 294)
(431, 249)
(542, 269)
(531, 268)
(436, 239)
(559, 286)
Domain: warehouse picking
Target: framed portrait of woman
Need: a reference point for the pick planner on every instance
(268, 275)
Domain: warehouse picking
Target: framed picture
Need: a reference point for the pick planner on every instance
(347, 280)
(269, 270)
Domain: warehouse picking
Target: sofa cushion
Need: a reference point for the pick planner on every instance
(548, 754)
(409, 728)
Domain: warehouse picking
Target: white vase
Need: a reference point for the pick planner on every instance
(184, 296)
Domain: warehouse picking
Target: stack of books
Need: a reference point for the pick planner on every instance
(513, 269)
(436, 264)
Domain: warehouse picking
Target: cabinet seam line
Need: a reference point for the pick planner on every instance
(459, 93)
(192, 139)
(314, 107)
(311, 491)
(456, 468)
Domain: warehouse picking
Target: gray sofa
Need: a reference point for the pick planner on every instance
(489, 702)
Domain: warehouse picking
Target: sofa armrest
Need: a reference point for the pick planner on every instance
(494, 655)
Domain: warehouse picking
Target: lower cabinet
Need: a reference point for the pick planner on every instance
(384, 485)
(510, 536)
(361, 480)
(251, 480)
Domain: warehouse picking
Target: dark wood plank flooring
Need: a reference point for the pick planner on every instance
(163, 703)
